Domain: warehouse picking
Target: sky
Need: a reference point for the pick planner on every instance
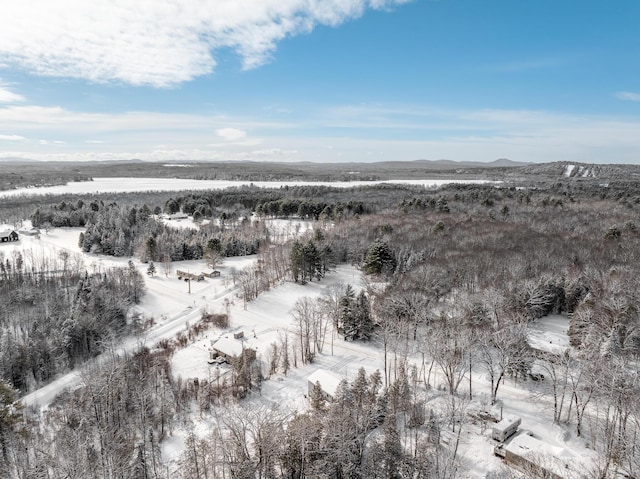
(320, 80)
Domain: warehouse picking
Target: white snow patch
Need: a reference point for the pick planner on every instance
(568, 171)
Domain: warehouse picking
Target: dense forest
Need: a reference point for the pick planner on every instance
(465, 269)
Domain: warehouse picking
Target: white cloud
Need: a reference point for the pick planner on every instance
(12, 137)
(231, 134)
(7, 96)
(63, 121)
(627, 96)
(157, 42)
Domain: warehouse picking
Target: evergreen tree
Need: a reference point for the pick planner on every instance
(379, 259)
(355, 315)
(391, 448)
(317, 399)
(306, 262)
(364, 323)
(151, 270)
(10, 416)
(347, 314)
(136, 282)
(296, 259)
(151, 248)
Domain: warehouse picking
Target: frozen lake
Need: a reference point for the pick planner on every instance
(129, 185)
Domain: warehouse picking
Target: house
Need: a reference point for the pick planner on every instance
(531, 455)
(178, 216)
(506, 428)
(189, 276)
(8, 235)
(229, 348)
(328, 381)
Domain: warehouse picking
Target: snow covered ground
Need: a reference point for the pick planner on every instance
(172, 307)
(549, 334)
(266, 318)
(126, 185)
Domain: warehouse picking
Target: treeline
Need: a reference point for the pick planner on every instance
(131, 231)
(359, 433)
(114, 425)
(56, 315)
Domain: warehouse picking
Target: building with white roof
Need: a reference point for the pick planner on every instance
(529, 454)
(506, 428)
(228, 347)
(328, 381)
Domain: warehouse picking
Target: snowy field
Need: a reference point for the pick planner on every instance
(128, 185)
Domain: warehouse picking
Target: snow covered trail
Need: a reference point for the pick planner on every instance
(42, 397)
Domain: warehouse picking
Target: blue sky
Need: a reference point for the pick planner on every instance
(313, 80)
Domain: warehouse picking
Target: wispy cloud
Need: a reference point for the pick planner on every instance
(627, 96)
(231, 134)
(525, 65)
(58, 119)
(341, 133)
(8, 96)
(157, 42)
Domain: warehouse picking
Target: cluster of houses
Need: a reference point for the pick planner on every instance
(196, 276)
(230, 347)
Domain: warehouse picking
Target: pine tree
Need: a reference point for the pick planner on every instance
(151, 270)
(392, 448)
(317, 399)
(379, 259)
(296, 258)
(10, 416)
(347, 314)
(364, 323)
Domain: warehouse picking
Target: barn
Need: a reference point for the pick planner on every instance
(8, 235)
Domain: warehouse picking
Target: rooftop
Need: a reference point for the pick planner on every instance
(329, 381)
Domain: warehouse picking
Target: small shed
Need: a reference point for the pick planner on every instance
(8, 235)
(328, 381)
(506, 428)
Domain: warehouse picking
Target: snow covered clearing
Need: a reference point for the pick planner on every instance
(549, 334)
